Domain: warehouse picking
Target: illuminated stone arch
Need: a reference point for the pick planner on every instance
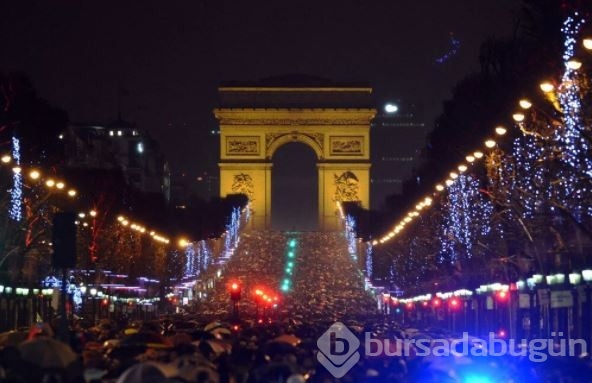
(333, 121)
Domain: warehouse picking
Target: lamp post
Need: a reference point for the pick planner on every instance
(386, 297)
(576, 324)
(258, 295)
(534, 322)
(93, 294)
(587, 312)
(235, 296)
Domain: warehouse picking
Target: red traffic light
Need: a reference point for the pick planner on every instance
(454, 303)
(235, 291)
(502, 295)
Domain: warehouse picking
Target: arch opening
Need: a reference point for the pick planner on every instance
(294, 186)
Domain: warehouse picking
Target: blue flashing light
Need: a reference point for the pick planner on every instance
(475, 378)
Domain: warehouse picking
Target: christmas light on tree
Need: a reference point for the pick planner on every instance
(16, 193)
(466, 218)
(569, 137)
(350, 235)
(369, 261)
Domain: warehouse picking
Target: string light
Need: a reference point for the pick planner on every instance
(16, 193)
(574, 147)
(466, 216)
(142, 229)
(471, 158)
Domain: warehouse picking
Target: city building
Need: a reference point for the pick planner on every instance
(397, 134)
(119, 145)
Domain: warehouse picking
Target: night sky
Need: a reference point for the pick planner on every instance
(169, 57)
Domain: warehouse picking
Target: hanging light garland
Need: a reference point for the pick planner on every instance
(16, 193)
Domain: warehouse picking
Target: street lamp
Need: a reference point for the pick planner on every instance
(391, 108)
(524, 103)
(500, 130)
(547, 87)
(574, 64)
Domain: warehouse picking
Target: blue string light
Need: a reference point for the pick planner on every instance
(466, 218)
(16, 193)
(369, 261)
(573, 145)
(350, 235)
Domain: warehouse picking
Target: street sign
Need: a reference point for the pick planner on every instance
(489, 303)
(562, 298)
(543, 295)
(524, 301)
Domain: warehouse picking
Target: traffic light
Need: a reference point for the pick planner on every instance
(454, 303)
(502, 296)
(235, 291)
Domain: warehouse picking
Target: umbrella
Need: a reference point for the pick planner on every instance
(212, 345)
(190, 367)
(12, 338)
(212, 325)
(220, 332)
(288, 338)
(273, 348)
(47, 352)
(145, 338)
(142, 372)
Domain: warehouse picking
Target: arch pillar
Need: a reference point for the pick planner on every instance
(254, 180)
(341, 182)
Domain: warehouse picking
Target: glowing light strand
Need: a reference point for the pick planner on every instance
(350, 235)
(191, 261)
(16, 193)
(369, 260)
(232, 233)
(466, 218)
(574, 146)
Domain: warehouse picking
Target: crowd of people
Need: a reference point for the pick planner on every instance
(324, 280)
(273, 342)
